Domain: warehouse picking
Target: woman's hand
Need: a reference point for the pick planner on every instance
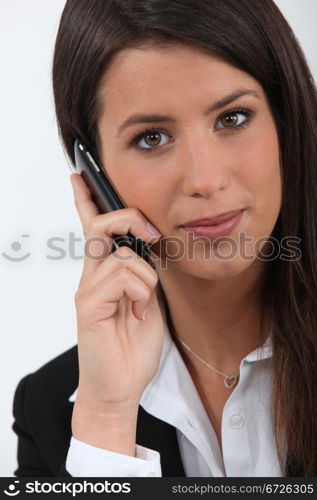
(119, 351)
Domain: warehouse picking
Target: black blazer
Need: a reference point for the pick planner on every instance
(42, 422)
(43, 415)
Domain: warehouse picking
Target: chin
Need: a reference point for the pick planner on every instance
(210, 269)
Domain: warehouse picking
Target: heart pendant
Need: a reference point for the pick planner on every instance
(230, 381)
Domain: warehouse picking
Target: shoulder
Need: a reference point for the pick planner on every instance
(55, 381)
(42, 415)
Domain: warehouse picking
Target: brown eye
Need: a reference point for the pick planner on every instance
(234, 119)
(152, 139)
(229, 120)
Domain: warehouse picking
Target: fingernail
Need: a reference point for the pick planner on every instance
(152, 230)
(144, 314)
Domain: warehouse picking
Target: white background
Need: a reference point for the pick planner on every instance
(38, 319)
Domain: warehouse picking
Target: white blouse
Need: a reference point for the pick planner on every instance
(248, 447)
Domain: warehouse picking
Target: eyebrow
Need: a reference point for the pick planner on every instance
(150, 118)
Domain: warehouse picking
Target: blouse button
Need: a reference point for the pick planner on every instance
(190, 423)
(236, 421)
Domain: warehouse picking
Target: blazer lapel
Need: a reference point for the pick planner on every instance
(157, 435)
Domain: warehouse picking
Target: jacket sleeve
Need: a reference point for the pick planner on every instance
(81, 460)
(30, 461)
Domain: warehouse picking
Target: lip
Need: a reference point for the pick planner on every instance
(209, 221)
(206, 227)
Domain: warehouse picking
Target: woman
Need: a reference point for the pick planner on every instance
(203, 364)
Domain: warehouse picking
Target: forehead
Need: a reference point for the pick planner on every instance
(148, 76)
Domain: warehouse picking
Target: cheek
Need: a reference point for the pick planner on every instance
(262, 175)
(268, 180)
(258, 167)
(123, 176)
(144, 192)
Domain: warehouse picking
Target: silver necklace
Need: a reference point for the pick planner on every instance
(230, 380)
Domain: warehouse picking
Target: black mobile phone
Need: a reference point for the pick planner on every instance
(106, 197)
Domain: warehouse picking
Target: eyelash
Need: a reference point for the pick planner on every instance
(248, 114)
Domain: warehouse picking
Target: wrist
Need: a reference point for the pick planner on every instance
(110, 428)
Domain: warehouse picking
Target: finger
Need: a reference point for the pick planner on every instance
(104, 227)
(125, 257)
(102, 302)
(84, 203)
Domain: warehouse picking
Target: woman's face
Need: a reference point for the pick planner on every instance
(195, 163)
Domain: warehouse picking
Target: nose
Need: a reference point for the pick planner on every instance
(204, 171)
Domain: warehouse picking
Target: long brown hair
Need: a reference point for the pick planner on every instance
(254, 37)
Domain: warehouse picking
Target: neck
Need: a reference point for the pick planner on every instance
(219, 320)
